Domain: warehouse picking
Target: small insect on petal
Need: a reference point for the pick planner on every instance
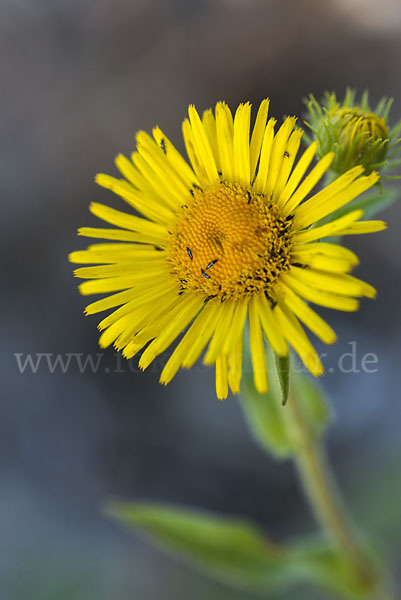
(212, 262)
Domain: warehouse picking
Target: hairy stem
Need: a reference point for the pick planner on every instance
(324, 497)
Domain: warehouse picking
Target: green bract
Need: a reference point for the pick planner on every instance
(355, 132)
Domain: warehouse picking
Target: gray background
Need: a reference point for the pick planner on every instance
(78, 80)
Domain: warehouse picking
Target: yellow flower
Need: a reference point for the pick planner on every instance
(228, 237)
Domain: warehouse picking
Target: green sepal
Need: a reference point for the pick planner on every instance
(356, 132)
(283, 376)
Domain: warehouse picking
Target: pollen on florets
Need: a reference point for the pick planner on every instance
(229, 242)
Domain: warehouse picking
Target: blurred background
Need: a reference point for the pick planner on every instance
(79, 78)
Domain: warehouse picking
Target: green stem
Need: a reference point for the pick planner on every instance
(324, 497)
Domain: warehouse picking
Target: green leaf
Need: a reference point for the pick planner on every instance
(317, 561)
(283, 374)
(267, 417)
(233, 550)
(311, 397)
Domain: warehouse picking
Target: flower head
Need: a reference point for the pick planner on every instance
(356, 133)
(226, 238)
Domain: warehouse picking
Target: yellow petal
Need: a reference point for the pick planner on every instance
(308, 183)
(363, 227)
(177, 324)
(327, 299)
(271, 327)
(297, 174)
(194, 337)
(258, 350)
(299, 340)
(224, 324)
(344, 285)
(308, 316)
(290, 153)
(118, 235)
(209, 125)
(236, 331)
(202, 146)
(264, 162)
(210, 318)
(326, 249)
(242, 120)
(224, 128)
(319, 207)
(277, 156)
(221, 377)
(333, 228)
(257, 135)
(192, 152)
(127, 221)
(235, 366)
(180, 166)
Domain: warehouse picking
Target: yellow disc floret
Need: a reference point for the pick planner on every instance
(229, 242)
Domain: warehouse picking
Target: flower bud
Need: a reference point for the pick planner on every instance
(356, 134)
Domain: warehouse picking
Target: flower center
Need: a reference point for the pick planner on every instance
(229, 242)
